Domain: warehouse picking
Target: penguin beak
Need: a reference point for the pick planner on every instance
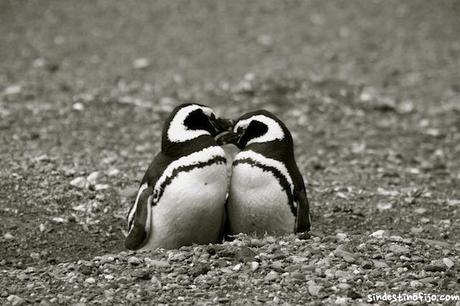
(223, 125)
(226, 138)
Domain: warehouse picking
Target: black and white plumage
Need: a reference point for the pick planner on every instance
(267, 192)
(182, 195)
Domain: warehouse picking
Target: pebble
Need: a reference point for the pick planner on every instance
(416, 284)
(237, 267)
(90, 280)
(399, 249)
(93, 177)
(79, 182)
(313, 288)
(347, 256)
(271, 276)
(449, 263)
(8, 236)
(15, 300)
(435, 268)
(254, 266)
(12, 90)
(380, 264)
(134, 261)
(156, 282)
(378, 234)
(420, 210)
(98, 187)
(113, 172)
(341, 237)
(141, 63)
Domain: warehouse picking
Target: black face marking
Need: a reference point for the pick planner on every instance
(197, 120)
(255, 129)
(278, 175)
(216, 160)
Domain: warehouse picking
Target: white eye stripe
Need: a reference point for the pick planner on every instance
(274, 132)
(178, 132)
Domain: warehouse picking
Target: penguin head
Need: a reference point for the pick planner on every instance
(259, 127)
(190, 121)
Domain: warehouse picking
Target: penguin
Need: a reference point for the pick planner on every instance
(182, 195)
(267, 193)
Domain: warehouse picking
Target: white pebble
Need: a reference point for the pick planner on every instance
(79, 182)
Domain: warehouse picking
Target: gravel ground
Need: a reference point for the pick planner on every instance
(340, 270)
(370, 91)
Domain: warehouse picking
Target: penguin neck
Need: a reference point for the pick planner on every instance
(177, 149)
(279, 150)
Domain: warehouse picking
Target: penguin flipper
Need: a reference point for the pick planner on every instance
(303, 221)
(139, 219)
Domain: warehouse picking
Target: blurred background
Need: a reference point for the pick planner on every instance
(370, 90)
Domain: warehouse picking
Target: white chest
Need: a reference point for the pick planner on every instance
(257, 202)
(190, 209)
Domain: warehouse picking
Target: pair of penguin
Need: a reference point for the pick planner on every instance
(184, 197)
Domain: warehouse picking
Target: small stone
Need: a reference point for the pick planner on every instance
(8, 236)
(35, 255)
(90, 280)
(59, 220)
(398, 249)
(78, 106)
(343, 286)
(199, 270)
(93, 177)
(380, 264)
(15, 300)
(354, 295)
(378, 234)
(98, 187)
(384, 206)
(12, 90)
(113, 172)
(141, 63)
(449, 263)
(314, 289)
(416, 284)
(420, 210)
(155, 282)
(265, 40)
(435, 268)
(341, 237)
(277, 266)
(254, 266)
(347, 256)
(237, 267)
(298, 275)
(416, 230)
(428, 280)
(271, 276)
(134, 261)
(366, 264)
(42, 227)
(79, 182)
(341, 300)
